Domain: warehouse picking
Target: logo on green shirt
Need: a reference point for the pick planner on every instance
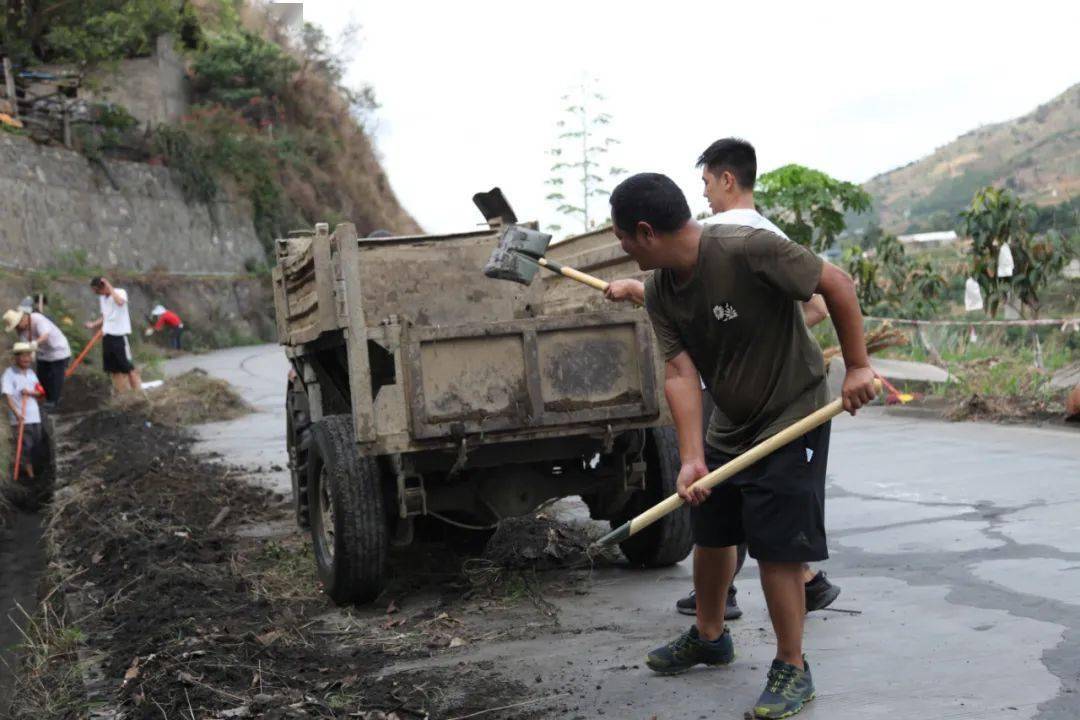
(724, 312)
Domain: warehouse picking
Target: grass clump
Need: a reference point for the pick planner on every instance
(187, 399)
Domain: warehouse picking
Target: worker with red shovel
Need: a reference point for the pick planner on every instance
(724, 301)
(21, 389)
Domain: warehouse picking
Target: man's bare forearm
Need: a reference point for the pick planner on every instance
(839, 293)
(14, 407)
(815, 310)
(683, 394)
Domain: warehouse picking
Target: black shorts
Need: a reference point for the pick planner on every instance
(116, 354)
(51, 375)
(776, 506)
(32, 441)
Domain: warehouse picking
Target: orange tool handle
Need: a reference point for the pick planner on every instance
(18, 442)
(70, 370)
(888, 385)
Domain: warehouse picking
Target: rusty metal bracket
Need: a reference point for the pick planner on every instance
(635, 476)
(462, 456)
(609, 440)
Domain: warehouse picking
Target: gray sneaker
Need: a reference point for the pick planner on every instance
(688, 605)
(688, 650)
(786, 692)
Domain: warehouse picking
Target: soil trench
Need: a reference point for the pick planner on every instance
(189, 609)
(22, 561)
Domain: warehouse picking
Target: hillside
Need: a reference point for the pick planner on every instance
(233, 98)
(1037, 155)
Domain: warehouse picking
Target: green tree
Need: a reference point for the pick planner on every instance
(994, 218)
(809, 205)
(238, 67)
(581, 167)
(87, 32)
(888, 282)
(864, 271)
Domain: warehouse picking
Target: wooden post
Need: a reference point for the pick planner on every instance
(9, 88)
(348, 262)
(67, 124)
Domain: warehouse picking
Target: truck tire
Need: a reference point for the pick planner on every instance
(348, 522)
(298, 443)
(668, 540)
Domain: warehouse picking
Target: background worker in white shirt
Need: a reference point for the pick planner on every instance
(115, 323)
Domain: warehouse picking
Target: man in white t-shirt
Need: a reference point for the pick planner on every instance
(50, 344)
(115, 324)
(729, 171)
(21, 390)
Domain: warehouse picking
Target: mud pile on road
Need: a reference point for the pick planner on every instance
(175, 606)
(187, 399)
(541, 542)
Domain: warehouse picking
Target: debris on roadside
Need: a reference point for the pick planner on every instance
(187, 399)
(174, 608)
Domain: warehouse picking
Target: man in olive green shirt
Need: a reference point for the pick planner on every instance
(725, 305)
(728, 173)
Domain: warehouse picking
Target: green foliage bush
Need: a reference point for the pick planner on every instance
(93, 31)
(235, 68)
(190, 159)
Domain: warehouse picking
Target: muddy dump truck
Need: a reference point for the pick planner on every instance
(422, 392)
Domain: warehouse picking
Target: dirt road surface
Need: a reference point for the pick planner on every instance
(956, 545)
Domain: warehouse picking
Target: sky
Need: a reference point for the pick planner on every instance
(469, 91)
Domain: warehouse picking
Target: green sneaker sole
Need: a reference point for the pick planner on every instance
(758, 713)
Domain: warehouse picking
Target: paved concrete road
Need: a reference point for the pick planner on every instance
(958, 543)
(255, 441)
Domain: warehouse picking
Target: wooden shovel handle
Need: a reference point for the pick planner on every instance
(590, 280)
(722, 473)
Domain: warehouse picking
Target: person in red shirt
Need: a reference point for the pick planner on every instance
(167, 319)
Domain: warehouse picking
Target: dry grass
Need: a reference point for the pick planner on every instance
(187, 399)
(49, 683)
(1007, 389)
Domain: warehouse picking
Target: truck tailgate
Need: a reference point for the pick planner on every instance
(589, 368)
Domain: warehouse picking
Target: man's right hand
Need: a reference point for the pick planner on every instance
(626, 290)
(690, 473)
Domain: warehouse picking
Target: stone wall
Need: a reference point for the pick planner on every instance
(216, 311)
(54, 201)
(153, 89)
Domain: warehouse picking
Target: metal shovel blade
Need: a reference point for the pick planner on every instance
(515, 257)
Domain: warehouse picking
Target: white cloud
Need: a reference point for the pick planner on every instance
(470, 90)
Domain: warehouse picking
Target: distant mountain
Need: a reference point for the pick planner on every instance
(1037, 156)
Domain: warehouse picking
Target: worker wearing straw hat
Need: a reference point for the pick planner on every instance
(21, 390)
(50, 345)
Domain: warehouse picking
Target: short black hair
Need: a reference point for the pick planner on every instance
(96, 282)
(649, 197)
(734, 155)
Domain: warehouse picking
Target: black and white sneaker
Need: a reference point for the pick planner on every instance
(688, 605)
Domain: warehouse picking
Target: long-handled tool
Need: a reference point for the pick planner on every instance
(902, 398)
(722, 473)
(79, 359)
(520, 255)
(18, 441)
